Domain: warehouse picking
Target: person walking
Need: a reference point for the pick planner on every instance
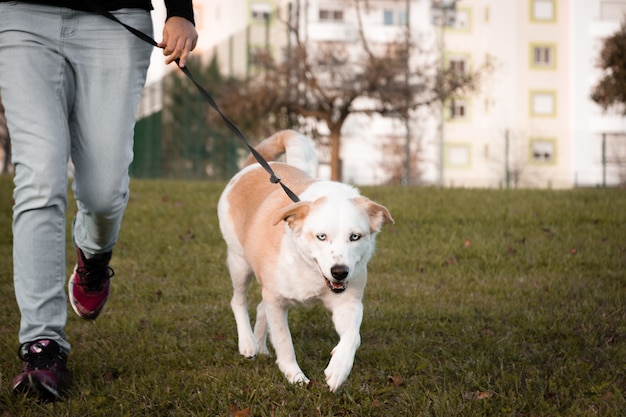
(71, 82)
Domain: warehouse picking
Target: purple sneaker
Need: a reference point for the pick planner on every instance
(88, 287)
(45, 371)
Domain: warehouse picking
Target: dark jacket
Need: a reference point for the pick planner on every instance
(182, 8)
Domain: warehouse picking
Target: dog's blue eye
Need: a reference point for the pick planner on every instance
(354, 237)
(321, 236)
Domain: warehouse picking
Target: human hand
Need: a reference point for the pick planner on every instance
(179, 39)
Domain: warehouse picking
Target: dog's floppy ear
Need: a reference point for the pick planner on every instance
(293, 214)
(379, 215)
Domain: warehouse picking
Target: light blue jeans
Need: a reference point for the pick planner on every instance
(70, 83)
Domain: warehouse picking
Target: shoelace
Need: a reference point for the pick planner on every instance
(93, 276)
(40, 360)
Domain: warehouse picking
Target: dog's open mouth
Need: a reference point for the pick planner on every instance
(336, 286)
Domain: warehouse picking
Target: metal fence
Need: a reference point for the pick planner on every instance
(177, 142)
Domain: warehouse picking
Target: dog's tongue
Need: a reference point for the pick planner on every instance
(337, 286)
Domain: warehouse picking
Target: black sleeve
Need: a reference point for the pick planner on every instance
(182, 8)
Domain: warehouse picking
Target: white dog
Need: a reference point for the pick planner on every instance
(316, 249)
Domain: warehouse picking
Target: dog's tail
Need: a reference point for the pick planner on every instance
(298, 149)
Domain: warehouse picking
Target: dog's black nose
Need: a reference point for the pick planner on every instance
(339, 272)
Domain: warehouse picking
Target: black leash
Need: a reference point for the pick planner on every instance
(274, 179)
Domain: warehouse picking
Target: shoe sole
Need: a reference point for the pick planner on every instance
(34, 387)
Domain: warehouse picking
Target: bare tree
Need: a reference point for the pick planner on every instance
(329, 81)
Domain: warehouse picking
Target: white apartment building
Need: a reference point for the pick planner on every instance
(545, 53)
(532, 124)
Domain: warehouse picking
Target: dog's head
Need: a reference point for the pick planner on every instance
(336, 234)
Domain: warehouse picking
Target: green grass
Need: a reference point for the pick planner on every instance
(480, 303)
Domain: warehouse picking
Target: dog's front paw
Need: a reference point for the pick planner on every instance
(335, 378)
(293, 373)
(298, 379)
(338, 370)
(248, 347)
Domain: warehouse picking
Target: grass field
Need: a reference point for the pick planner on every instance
(479, 303)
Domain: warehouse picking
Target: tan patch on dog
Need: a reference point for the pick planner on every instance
(253, 200)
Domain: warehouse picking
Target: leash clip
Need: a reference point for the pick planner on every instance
(274, 179)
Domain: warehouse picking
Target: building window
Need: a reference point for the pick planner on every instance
(402, 18)
(394, 18)
(458, 109)
(388, 17)
(543, 103)
(462, 19)
(458, 155)
(328, 15)
(612, 9)
(543, 10)
(543, 56)
(542, 150)
(260, 11)
(458, 64)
